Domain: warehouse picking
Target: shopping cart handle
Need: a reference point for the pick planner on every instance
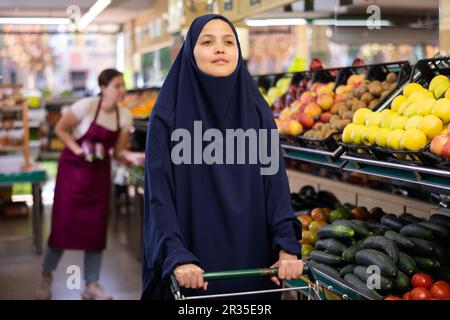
(242, 274)
(237, 274)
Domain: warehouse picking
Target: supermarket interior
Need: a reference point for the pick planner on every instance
(358, 90)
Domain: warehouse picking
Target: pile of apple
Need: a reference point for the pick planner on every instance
(335, 118)
(413, 120)
(312, 106)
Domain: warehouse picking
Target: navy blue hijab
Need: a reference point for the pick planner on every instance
(219, 216)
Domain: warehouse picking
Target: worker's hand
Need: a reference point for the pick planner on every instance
(289, 267)
(190, 276)
(135, 158)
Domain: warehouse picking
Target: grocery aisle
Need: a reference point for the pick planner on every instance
(20, 267)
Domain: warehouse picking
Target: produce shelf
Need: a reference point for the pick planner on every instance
(425, 178)
(416, 170)
(320, 157)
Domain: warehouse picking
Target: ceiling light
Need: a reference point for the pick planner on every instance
(275, 22)
(93, 12)
(348, 23)
(33, 20)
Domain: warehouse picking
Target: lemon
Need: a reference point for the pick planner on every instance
(381, 137)
(425, 107)
(437, 80)
(398, 122)
(440, 89)
(397, 102)
(411, 110)
(386, 111)
(394, 138)
(411, 87)
(413, 122)
(346, 135)
(359, 117)
(387, 119)
(374, 119)
(441, 109)
(431, 125)
(369, 134)
(403, 107)
(356, 134)
(413, 140)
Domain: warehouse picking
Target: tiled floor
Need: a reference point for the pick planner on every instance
(20, 267)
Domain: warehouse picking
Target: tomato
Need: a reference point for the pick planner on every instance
(421, 280)
(440, 290)
(392, 298)
(420, 294)
(406, 296)
(318, 214)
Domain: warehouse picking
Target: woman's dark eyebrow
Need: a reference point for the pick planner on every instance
(211, 35)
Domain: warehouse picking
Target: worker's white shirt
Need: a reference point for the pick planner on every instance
(84, 109)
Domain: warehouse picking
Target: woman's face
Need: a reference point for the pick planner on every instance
(115, 91)
(216, 51)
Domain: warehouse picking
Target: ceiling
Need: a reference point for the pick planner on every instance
(119, 11)
(409, 9)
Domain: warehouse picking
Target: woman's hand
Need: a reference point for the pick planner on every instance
(289, 267)
(190, 276)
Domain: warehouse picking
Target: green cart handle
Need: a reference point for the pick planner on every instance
(236, 274)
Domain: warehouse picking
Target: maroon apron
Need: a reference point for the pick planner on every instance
(82, 194)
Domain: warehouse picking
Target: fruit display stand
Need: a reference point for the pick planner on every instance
(422, 212)
(419, 167)
(326, 150)
(11, 172)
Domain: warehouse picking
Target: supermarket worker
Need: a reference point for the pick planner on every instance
(213, 217)
(82, 191)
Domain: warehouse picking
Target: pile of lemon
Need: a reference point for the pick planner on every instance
(414, 118)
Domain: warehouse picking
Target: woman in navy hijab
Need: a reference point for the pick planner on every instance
(206, 216)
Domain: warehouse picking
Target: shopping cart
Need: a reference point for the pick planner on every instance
(313, 284)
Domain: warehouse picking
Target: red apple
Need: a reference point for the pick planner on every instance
(316, 86)
(307, 97)
(325, 117)
(446, 149)
(313, 109)
(325, 101)
(306, 120)
(438, 144)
